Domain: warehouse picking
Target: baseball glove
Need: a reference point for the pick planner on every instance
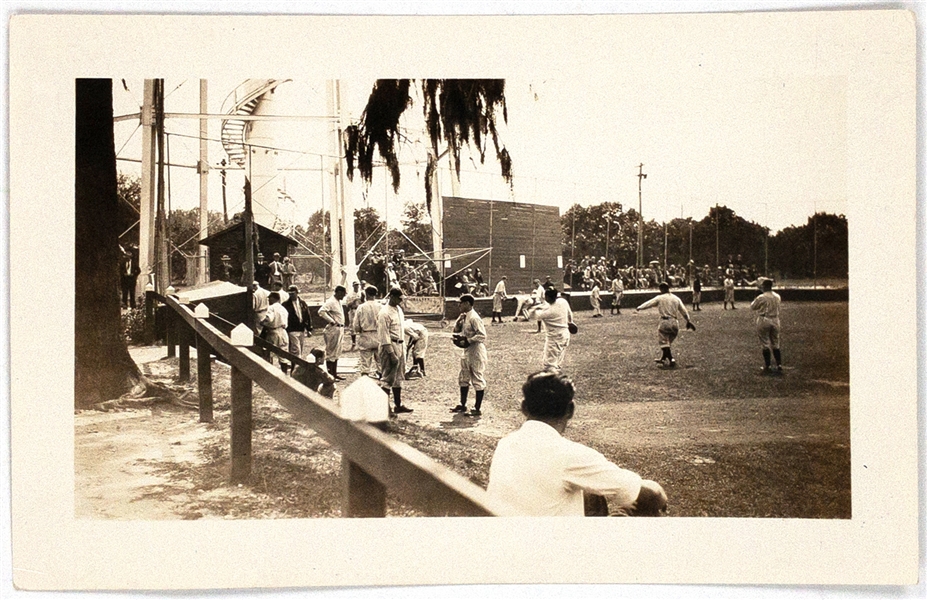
(690, 325)
(572, 328)
(460, 341)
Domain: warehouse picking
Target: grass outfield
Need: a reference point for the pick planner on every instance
(723, 440)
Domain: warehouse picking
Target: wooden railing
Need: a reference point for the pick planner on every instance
(373, 463)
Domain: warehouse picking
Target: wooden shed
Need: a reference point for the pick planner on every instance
(231, 242)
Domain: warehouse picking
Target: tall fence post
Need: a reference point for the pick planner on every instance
(204, 378)
(170, 333)
(241, 426)
(183, 340)
(364, 496)
(149, 317)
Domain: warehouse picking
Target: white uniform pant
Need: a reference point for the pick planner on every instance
(472, 367)
(768, 332)
(297, 341)
(667, 332)
(334, 336)
(392, 365)
(367, 361)
(555, 345)
(278, 338)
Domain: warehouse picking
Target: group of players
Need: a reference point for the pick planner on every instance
(386, 340)
(534, 469)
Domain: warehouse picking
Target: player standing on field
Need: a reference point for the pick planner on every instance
(470, 334)
(729, 292)
(767, 306)
(618, 291)
(671, 308)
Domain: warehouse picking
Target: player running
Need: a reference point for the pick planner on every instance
(671, 308)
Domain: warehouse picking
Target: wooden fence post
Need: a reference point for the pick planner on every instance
(170, 333)
(183, 340)
(241, 426)
(364, 496)
(204, 378)
(149, 317)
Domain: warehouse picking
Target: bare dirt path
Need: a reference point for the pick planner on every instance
(117, 453)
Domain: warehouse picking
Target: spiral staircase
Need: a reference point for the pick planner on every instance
(242, 102)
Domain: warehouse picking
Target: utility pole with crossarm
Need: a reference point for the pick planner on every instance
(640, 217)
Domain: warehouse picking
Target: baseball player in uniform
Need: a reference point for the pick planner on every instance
(470, 334)
(416, 344)
(767, 306)
(670, 308)
(618, 291)
(333, 314)
(391, 352)
(259, 303)
(351, 302)
(365, 328)
(497, 297)
(595, 299)
(556, 315)
(275, 327)
(697, 293)
(729, 292)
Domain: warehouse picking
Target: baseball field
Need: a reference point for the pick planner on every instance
(724, 439)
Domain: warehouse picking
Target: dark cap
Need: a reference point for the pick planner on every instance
(395, 292)
(467, 298)
(292, 288)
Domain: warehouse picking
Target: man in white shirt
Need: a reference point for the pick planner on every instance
(333, 314)
(540, 473)
(556, 315)
(670, 308)
(767, 306)
(391, 353)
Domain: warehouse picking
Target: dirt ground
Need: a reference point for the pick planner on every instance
(722, 439)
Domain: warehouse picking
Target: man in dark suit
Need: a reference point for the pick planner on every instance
(298, 322)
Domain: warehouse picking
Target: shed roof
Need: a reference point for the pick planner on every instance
(268, 235)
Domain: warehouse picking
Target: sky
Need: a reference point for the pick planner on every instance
(771, 149)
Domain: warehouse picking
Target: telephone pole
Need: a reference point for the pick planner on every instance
(640, 217)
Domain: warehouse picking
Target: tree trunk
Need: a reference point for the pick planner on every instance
(103, 369)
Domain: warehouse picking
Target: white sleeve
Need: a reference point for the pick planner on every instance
(589, 470)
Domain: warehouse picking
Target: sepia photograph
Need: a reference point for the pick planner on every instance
(437, 300)
(344, 209)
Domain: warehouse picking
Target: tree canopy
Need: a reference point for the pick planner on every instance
(457, 112)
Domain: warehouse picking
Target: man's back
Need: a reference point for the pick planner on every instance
(540, 473)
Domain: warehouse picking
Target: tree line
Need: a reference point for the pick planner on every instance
(818, 247)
